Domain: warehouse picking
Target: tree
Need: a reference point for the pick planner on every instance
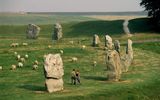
(153, 8)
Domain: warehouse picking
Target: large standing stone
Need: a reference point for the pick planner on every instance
(117, 46)
(108, 42)
(53, 70)
(32, 31)
(127, 59)
(57, 34)
(96, 40)
(113, 63)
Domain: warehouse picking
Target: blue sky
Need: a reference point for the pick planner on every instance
(69, 5)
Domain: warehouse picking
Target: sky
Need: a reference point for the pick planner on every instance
(70, 5)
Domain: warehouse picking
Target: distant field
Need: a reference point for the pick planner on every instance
(141, 82)
(23, 19)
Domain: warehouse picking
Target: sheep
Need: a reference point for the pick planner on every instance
(15, 53)
(25, 44)
(14, 44)
(83, 47)
(94, 63)
(71, 42)
(18, 57)
(1, 68)
(26, 56)
(20, 64)
(35, 67)
(61, 51)
(36, 62)
(22, 60)
(49, 46)
(13, 67)
(74, 59)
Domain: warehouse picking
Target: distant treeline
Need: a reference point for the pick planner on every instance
(135, 13)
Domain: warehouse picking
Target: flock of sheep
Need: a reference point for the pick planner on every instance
(22, 59)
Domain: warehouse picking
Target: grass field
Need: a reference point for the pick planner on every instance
(141, 82)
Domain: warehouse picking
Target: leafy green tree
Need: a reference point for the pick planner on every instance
(153, 8)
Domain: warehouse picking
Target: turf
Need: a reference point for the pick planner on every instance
(140, 83)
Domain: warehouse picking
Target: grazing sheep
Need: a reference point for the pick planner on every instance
(20, 64)
(1, 68)
(13, 67)
(14, 44)
(71, 42)
(22, 60)
(61, 51)
(49, 46)
(83, 47)
(25, 44)
(94, 63)
(36, 62)
(74, 59)
(15, 53)
(26, 56)
(35, 67)
(18, 57)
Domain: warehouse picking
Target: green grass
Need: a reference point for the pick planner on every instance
(140, 83)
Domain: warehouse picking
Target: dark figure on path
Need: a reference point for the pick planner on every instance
(78, 76)
(73, 77)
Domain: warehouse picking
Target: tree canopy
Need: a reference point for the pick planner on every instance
(153, 8)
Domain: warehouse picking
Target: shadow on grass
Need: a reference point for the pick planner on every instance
(101, 27)
(141, 25)
(33, 88)
(97, 78)
(89, 28)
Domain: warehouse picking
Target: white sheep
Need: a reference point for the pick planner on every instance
(1, 68)
(25, 44)
(18, 57)
(94, 63)
(74, 59)
(71, 42)
(20, 64)
(36, 62)
(22, 60)
(13, 67)
(26, 56)
(83, 47)
(15, 53)
(14, 44)
(49, 46)
(61, 51)
(35, 67)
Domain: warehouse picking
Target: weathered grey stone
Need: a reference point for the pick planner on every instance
(113, 63)
(57, 34)
(53, 70)
(117, 46)
(54, 85)
(108, 42)
(96, 40)
(32, 31)
(127, 59)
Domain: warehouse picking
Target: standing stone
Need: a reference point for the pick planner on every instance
(127, 59)
(113, 63)
(96, 40)
(53, 70)
(32, 31)
(57, 34)
(117, 46)
(108, 42)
